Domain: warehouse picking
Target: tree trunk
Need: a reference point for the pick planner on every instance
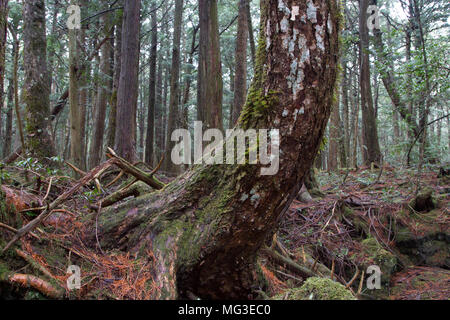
(206, 227)
(372, 152)
(112, 124)
(240, 79)
(149, 141)
(53, 40)
(391, 86)
(346, 113)
(174, 86)
(251, 37)
(334, 138)
(128, 83)
(76, 146)
(9, 117)
(210, 85)
(3, 32)
(105, 74)
(159, 127)
(83, 96)
(36, 86)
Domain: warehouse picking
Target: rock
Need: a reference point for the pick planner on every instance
(317, 289)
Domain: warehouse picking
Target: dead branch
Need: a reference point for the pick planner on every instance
(120, 175)
(119, 195)
(34, 223)
(148, 178)
(27, 280)
(77, 170)
(352, 279)
(289, 263)
(28, 258)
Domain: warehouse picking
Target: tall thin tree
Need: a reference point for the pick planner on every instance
(128, 84)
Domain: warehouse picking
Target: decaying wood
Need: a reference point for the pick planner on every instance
(134, 190)
(27, 280)
(127, 167)
(28, 258)
(34, 223)
(289, 263)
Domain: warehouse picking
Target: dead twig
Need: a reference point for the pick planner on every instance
(34, 223)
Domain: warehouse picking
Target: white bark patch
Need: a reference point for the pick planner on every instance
(268, 34)
(304, 50)
(295, 114)
(285, 113)
(298, 85)
(329, 25)
(244, 197)
(283, 8)
(284, 24)
(311, 12)
(319, 37)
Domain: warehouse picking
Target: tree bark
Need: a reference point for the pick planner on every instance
(3, 33)
(76, 146)
(150, 138)
(9, 117)
(174, 87)
(372, 152)
(240, 79)
(128, 83)
(251, 37)
(112, 124)
(206, 227)
(105, 74)
(334, 138)
(210, 84)
(36, 86)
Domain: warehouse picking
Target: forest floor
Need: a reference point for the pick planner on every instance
(357, 219)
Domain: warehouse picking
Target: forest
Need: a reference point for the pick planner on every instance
(224, 150)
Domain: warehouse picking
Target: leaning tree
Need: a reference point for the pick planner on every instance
(206, 227)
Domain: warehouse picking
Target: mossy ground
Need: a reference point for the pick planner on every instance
(317, 289)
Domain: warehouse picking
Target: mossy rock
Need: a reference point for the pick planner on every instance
(317, 289)
(380, 257)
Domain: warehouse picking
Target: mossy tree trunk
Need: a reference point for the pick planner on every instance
(206, 227)
(36, 88)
